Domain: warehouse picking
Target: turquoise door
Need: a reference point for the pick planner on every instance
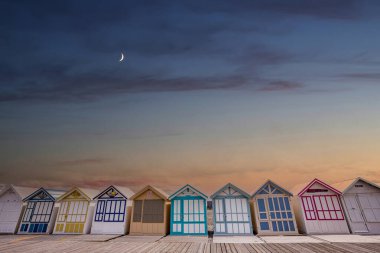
(188, 216)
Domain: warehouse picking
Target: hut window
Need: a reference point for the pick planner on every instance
(137, 211)
(308, 207)
(99, 210)
(114, 211)
(264, 224)
(28, 212)
(153, 211)
(328, 208)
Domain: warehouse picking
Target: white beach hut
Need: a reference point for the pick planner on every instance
(11, 207)
(112, 211)
(361, 202)
(318, 209)
(231, 210)
(39, 213)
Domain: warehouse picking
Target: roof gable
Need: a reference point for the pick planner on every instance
(156, 190)
(79, 193)
(230, 190)
(40, 194)
(115, 192)
(21, 191)
(187, 190)
(346, 185)
(317, 181)
(269, 187)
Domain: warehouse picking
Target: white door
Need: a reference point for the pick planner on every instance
(357, 221)
(10, 209)
(219, 217)
(232, 216)
(370, 204)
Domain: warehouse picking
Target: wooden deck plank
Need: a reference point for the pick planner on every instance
(102, 244)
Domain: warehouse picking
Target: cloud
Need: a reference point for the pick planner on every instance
(367, 76)
(82, 162)
(61, 52)
(331, 9)
(281, 85)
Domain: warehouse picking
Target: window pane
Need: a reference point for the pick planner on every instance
(137, 211)
(264, 225)
(270, 202)
(153, 211)
(263, 216)
(261, 205)
(287, 204)
(274, 226)
(291, 226)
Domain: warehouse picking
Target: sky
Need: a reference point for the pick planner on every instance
(210, 92)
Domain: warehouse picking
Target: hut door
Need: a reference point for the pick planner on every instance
(370, 203)
(357, 220)
(9, 212)
(232, 216)
(177, 217)
(193, 216)
(72, 216)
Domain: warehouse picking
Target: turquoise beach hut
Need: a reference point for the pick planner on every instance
(188, 212)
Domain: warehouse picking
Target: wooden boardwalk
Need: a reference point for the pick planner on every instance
(127, 244)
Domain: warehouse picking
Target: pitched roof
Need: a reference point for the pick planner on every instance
(233, 187)
(183, 188)
(88, 193)
(271, 182)
(345, 185)
(156, 190)
(22, 191)
(301, 188)
(54, 194)
(125, 191)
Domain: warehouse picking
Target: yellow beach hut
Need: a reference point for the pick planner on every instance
(150, 212)
(76, 209)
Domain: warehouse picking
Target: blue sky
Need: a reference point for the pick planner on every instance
(233, 91)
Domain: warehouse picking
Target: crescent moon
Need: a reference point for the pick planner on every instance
(122, 57)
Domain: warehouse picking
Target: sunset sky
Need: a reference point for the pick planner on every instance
(210, 92)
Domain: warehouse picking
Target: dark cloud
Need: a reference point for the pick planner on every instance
(281, 86)
(60, 51)
(335, 9)
(366, 76)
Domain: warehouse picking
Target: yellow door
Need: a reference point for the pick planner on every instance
(72, 216)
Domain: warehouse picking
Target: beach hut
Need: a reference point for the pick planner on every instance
(361, 202)
(112, 211)
(11, 207)
(150, 212)
(39, 213)
(318, 209)
(231, 211)
(75, 211)
(188, 212)
(273, 212)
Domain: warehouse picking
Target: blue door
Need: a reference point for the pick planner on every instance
(275, 214)
(188, 216)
